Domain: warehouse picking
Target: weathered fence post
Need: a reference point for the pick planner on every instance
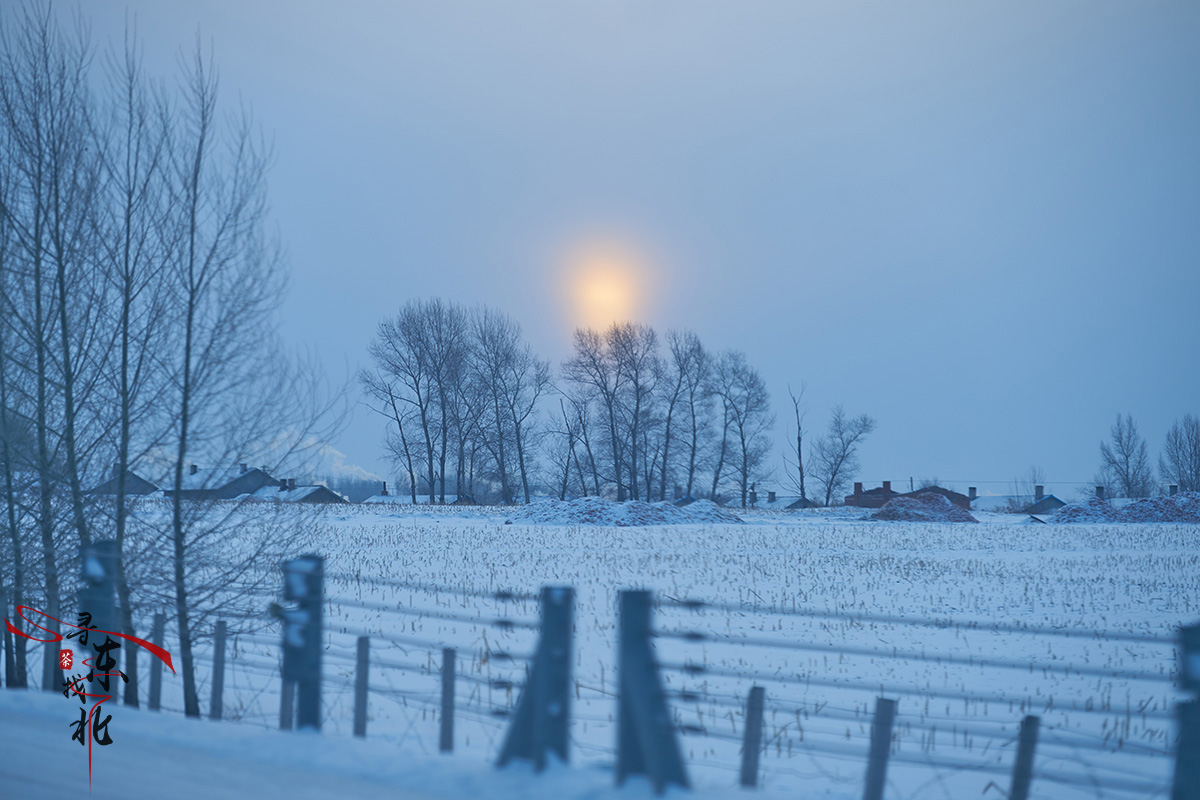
(1022, 775)
(752, 736)
(646, 738)
(287, 705)
(544, 710)
(218, 677)
(446, 740)
(156, 666)
(360, 686)
(1186, 785)
(303, 582)
(881, 745)
(98, 593)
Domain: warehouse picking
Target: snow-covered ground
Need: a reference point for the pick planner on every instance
(955, 733)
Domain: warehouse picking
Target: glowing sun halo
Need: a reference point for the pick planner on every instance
(605, 286)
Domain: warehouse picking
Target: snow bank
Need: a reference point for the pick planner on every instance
(629, 514)
(925, 507)
(1183, 507)
(1091, 510)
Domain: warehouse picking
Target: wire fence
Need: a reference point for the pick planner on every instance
(807, 722)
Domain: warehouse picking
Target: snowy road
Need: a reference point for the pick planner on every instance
(154, 757)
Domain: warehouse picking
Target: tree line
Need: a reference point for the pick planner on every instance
(1125, 466)
(630, 415)
(138, 289)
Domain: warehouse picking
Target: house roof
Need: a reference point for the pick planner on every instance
(274, 494)
(783, 502)
(215, 477)
(406, 499)
(1001, 503)
(134, 484)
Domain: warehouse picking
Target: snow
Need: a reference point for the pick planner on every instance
(1128, 578)
(631, 513)
(1183, 507)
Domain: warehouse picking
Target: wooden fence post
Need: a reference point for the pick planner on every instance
(543, 711)
(1186, 785)
(157, 635)
(1022, 775)
(752, 736)
(360, 686)
(647, 743)
(287, 705)
(218, 677)
(881, 745)
(446, 741)
(304, 584)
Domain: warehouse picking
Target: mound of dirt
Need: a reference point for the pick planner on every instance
(629, 514)
(1184, 507)
(925, 507)
(1091, 510)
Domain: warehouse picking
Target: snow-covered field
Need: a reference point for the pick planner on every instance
(774, 576)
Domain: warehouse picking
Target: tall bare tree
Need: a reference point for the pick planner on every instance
(1125, 460)
(748, 405)
(796, 467)
(835, 455)
(1179, 462)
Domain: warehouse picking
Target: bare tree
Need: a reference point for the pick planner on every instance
(593, 373)
(43, 108)
(633, 350)
(1179, 462)
(686, 370)
(796, 468)
(835, 455)
(228, 280)
(1024, 487)
(748, 407)
(1125, 460)
(134, 153)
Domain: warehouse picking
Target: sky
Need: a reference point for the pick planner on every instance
(976, 222)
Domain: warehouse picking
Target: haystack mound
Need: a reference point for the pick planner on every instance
(1184, 507)
(925, 507)
(629, 514)
(706, 511)
(1091, 510)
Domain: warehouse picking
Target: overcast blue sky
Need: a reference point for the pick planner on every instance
(978, 222)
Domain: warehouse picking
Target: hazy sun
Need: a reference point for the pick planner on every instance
(606, 284)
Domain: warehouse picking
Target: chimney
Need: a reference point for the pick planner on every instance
(887, 487)
(242, 468)
(383, 491)
(971, 493)
(857, 488)
(192, 469)
(753, 496)
(283, 484)
(1173, 489)
(1038, 493)
(678, 492)
(770, 497)
(1100, 492)
(115, 469)
(291, 483)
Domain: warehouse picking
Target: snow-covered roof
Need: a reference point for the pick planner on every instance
(406, 499)
(213, 477)
(274, 493)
